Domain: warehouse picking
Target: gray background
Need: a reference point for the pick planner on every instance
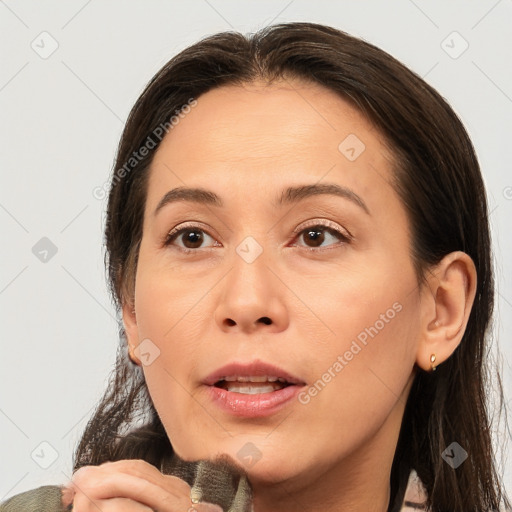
(61, 118)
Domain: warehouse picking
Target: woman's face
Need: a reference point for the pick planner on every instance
(318, 284)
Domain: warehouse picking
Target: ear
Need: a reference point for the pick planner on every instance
(446, 302)
(131, 329)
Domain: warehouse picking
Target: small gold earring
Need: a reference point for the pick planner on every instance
(432, 361)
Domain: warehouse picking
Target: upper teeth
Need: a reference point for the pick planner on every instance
(259, 378)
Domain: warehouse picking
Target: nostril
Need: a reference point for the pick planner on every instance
(266, 320)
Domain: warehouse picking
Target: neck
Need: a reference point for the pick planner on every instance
(358, 483)
(339, 491)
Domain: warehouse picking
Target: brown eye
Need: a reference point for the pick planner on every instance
(189, 239)
(315, 236)
(192, 238)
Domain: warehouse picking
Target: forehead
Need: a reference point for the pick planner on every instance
(262, 138)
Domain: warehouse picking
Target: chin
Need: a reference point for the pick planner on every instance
(266, 459)
(264, 465)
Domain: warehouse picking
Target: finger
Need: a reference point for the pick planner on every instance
(68, 492)
(205, 507)
(83, 504)
(135, 467)
(110, 505)
(104, 486)
(144, 470)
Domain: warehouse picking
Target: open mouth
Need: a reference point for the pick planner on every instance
(252, 385)
(252, 389)
(252, 396)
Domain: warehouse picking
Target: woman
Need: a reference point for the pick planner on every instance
(298, 242)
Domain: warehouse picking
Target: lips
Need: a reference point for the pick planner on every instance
(251, 390)
(255, 373)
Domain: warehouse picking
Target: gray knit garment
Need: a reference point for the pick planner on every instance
(219, 482)
(42, 499)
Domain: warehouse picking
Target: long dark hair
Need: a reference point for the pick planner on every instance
(437, 177)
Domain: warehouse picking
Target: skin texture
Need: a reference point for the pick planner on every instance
(129, 486)
(202, 309)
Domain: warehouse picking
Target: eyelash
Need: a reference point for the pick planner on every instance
(326, 226)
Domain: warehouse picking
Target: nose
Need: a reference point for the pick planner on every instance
(252, 298)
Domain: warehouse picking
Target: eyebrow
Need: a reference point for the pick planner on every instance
(290, 195)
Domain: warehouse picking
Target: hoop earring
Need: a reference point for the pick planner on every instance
(432, 361)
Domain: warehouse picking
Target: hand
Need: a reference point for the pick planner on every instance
(130, 486)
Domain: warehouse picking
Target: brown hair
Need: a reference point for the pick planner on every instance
(438, 179)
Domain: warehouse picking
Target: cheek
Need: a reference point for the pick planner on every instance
(166, 303)
(356, 305)
(360, 373)
(166, 323)
(172, 315)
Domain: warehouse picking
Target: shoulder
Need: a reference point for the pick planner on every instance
(47, 498)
